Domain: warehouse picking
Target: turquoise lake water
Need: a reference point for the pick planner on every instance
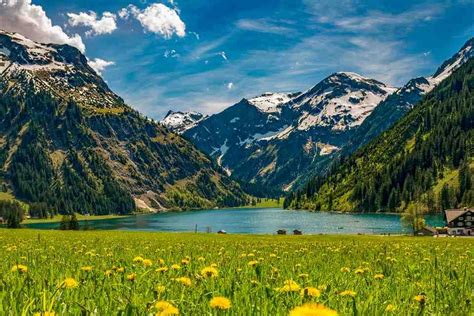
(256, 221)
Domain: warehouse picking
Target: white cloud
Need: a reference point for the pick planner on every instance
(263, 26)
(170, 53)
(30, 20)
(105, 25)
(124, 13)
(230, 85)
(158, 19)
(99, 65)
(223, 55)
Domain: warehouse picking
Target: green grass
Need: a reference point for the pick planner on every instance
(5, 196)
(440, 268)
(57, 218)
(266, 203)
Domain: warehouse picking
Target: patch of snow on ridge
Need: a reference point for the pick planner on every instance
(270, 102)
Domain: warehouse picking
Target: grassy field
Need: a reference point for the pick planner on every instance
(80, 217)
(266, 203)
(130, 273)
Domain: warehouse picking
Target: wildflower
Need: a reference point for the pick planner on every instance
(253, 263)
(20, 268)
(165, 308)
(312, 309)
(379, 276)
(184, 281)
(185, 262)
(120, 270)
(86, 269)
(303, 275)
(147, 262)
(420, 298)
(162, 270)
(69, 283)
(108, 273)
(160, 288)
(175, 267)
(272, 255)
(161, 262)
(310, 291)
(138, 259)
(345, 270)
(359, 271)
(201, 259)
(209, 272)
(289, 286)
(132, 277)
(390, 308)
(45, 314)
(348, 293)
(213, 265)
(220, 302)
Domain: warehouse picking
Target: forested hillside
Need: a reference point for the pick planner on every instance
(69, 142)
(427, 158)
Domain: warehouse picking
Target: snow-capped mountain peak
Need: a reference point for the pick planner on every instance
(270, 102)
(180, 122)
(341, 101)
(61, 69)
(449, 66)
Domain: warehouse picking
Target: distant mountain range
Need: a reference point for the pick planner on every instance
(68, 141)
(280, 140)
(425, 161)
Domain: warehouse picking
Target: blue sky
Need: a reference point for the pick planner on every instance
(215, 52)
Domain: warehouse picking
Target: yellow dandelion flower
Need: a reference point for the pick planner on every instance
(303, 275)
(345, 270)
(213, 265)
(348, 293)
(120, 270)
(273, 255)
(86, 269)
(108, 273)
(184, 281)
(185, 262)
(20, 268)
(160, 288)
(138, 259)
(162, 270)
(69, 283)
(311, 292)
(420, 298)
(147, 262)
(161, 262)
(165, 308)
(359, 271)
(390, 308)
(132, 277)
(253, 263)
(290, 286)
(312, 309)
(379, 276)
(220, 302)
(201, 259)
(209, 272)
(175, 267)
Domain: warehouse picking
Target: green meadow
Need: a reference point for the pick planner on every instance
(133, 273)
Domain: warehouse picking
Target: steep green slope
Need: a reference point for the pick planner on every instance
(68, 141)
(425, 157)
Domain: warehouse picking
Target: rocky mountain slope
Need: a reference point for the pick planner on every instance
(271, 139)
(67, 140)
(426, 158)
(282, 140)
(179, 122)
(394, 107)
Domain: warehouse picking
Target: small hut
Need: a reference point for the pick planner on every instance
(297, 232)
(281, 232)
(427, 231)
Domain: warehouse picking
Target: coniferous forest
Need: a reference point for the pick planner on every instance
(426, 158)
